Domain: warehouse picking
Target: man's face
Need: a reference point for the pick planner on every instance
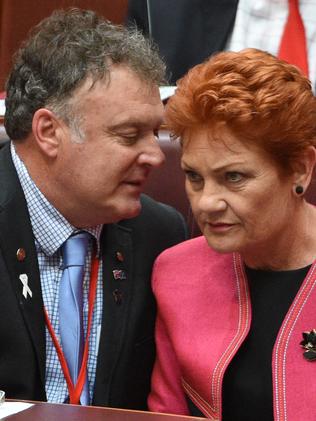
(102, 176)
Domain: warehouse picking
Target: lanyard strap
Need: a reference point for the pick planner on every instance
(75, 390)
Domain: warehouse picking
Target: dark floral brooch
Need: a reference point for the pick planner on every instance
(309, 344)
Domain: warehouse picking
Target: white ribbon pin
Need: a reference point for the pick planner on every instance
(26, 289)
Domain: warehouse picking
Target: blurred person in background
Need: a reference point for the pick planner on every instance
(187, 32)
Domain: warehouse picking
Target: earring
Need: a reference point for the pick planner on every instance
(299, 190)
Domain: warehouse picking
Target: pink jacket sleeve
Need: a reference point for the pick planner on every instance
(167, 394)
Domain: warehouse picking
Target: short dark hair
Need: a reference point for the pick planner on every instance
(61, 52)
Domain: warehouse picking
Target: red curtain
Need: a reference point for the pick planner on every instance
(18, 16)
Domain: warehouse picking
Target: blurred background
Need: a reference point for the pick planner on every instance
(17, 17)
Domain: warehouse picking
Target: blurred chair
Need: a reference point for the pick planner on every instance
(311, 191)
(166, 184)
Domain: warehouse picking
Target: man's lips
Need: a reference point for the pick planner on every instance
(135, 185)
(138, 182)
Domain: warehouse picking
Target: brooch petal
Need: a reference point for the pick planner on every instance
(309, 344)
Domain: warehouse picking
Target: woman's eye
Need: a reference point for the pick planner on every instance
(234, 176)
(192, 176)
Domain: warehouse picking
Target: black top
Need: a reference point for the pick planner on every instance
(247, 385)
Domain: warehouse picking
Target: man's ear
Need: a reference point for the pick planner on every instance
(47, 131)
(304, 167)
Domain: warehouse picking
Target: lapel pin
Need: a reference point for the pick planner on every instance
(26, 289)
(20, 254)
(119, 255)
(118, 296)
(119, 274)
(309, 344)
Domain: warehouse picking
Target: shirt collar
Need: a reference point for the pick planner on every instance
(50, 228)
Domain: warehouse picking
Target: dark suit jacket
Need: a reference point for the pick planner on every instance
(186, 31)
(126, 350)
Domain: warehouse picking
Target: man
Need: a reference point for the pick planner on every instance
(187, 31)
(82, 110)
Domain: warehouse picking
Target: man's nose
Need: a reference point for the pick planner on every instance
(152, 154)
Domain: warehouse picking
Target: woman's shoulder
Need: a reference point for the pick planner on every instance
(186, 262)
(190, 251)
(192, 245)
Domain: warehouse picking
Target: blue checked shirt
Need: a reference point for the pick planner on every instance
(50, 231)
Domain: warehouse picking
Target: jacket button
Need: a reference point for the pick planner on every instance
(118, 296)
(20, 254)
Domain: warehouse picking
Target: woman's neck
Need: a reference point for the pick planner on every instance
(293, 249)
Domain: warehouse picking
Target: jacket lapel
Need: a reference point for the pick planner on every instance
(16, 234)
(116, 245)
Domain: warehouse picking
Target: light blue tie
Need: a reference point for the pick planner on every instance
(74, 252)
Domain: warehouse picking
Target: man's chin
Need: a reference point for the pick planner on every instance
(130, 212)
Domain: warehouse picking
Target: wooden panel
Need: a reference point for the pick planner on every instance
(17, 17)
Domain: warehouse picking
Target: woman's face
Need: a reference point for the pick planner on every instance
(238, 196)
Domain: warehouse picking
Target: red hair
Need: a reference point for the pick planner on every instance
(260, 98)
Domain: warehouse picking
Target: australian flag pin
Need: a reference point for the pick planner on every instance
(119, 274)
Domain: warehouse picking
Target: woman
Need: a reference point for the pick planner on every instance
(233, 304)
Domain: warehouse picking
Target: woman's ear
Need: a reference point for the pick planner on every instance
(47, 131)
(303, 168)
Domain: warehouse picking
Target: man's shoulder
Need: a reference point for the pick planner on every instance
(5, 157)
(157, 222)
(160, 214)
(151, 206)
(9, 182)
(6, 163)
(153, 213)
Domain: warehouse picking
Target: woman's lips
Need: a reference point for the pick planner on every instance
(220, 226)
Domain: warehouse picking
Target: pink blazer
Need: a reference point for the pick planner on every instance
(204, 314)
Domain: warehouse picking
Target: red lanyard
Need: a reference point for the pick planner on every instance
(75, 390)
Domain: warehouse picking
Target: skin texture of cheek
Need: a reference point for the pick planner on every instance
(254, 220)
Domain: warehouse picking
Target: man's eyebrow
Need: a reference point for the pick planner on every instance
(124, 125)
(134, 123)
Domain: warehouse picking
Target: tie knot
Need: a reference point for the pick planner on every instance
(75, 249)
